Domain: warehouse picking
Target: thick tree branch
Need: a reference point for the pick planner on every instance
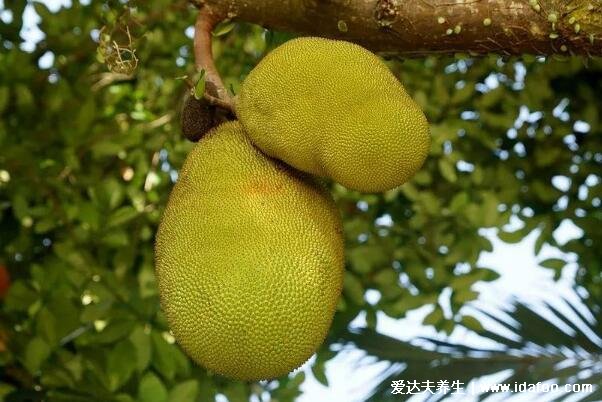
(419, 27)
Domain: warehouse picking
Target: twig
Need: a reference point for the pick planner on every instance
(106, 79)
(215, 92)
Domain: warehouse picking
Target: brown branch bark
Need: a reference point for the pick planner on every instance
(420, 27)
(215, 91)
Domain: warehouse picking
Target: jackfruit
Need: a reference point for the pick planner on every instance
(333, 109)
(249, 259)
(196, 117)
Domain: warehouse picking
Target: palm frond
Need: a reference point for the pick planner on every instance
(557, 343)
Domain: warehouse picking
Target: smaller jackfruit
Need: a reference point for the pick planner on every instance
(333, 109)
(197, 117)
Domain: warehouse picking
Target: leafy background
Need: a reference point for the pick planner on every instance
(89, 156)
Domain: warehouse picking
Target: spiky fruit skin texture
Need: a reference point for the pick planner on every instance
(196, 118)
(249, 259)
(333, 109)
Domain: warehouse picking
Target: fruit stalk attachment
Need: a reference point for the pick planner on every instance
(215, 91)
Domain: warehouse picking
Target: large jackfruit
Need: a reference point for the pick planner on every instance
(249, 259)
(333, 109)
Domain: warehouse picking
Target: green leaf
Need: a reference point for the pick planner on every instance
(459, 201)
(116, 238)
(544, 191)
(84, 118)
(236, 391)
(465, 295)
(407, 302)
(541, 240)
(553, 263)
(88, 213)
(462, 282)
(423, 177)
(142, 344)
(151, 389)
(163, 356)
(111, 193)
(45, 225)
(463, 94)
(46, 326)
(289, 388)
(114, 331)
(36, 353)
(353, 288)
(182, 362)
(366, 258)
(511, 237)
(385, 277)
(199, 86)
(20, 207)
(19, 297)
(497, 121)
(106, 148)
(410, 191)
(434, 317)
(121, 216)
(492, 98)
(430, 202)
(471, 323)
(42, 10)
(147, 282)
(207, 388)
(223, 28)
(489, 210)
(184, 392)
(121, 363)
(448, 170)
(319, 373)
(485, 244)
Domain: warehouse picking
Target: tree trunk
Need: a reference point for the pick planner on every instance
(420, 27)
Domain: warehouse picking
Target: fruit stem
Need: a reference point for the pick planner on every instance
(215, 91)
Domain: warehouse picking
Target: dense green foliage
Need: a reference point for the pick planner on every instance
(89, 156)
